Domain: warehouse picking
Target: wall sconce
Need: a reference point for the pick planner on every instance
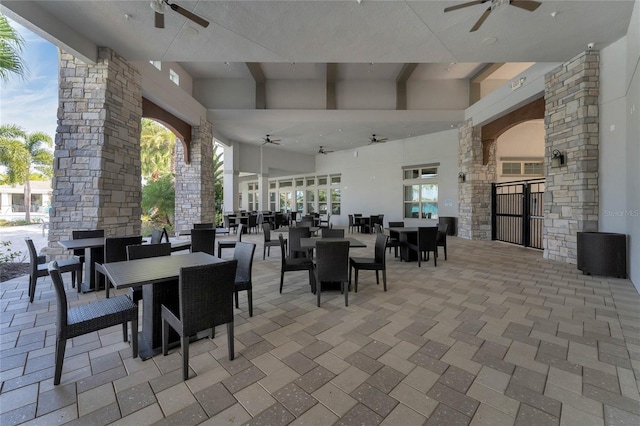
(557, 159)
(461, 177)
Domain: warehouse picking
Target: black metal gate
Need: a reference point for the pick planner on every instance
(517, 212)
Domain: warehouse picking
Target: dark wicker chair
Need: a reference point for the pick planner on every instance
(268, 242)
(38, 268)
(222, 244)
(83, 319)
(206, 300)
(230, 223)
(252, 223)
(377, 263)
(332, 265)
(144, 251)
(79, 253)
(331, 233)
(394, 242)
(325, 223)
(115, 250)
(353, 225)
(295, 234)
(204, 240)
(443, 228)
(426, 243)
(243, 253)
(293, 264)
(370, 227)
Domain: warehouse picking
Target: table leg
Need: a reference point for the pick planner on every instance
(406, 254)
(91, 256)
(153, 297)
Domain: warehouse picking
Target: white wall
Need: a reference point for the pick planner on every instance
(372, 181)
(438, 94)
(366, 94)
(524, 140)
(296, 94)
(620, 141)
(225, 94)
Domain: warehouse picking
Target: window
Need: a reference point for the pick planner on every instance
(311, 202)
(299, 182)
(272, 201)
(253, 196)
(156, 64)
(322, 201)
(421, 192)
(322, 180)
(311, 181)
(522, 167)
(286, 184)
(272, 185)
(300, 201)
(173, 76)
(335, 180)
(335, 201)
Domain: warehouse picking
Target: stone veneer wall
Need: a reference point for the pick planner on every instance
(195, 198)
(474, 195)
(571, 121)
(97, 148)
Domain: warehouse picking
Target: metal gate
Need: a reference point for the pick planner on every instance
(517, 212)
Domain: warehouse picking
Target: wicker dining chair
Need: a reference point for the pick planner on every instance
(268, 242)
(441, 241)
(332, 265)
(243, 253)
(204, 240)
(289, 263)
(38, 268)
(204, 225)
(145, 251)
(83, 319)
(80, 253)
(223, 244)
(377, 263)
(426, 242)
(295, 234)
(205, 300)
(115, 250)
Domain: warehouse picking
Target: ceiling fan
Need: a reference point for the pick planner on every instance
(160, 6)
(323, 151)
(373, 139)
(529, 5)
(271, 141)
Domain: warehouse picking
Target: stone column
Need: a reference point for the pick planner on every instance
(97, 148)
(571, 121)
(195, 198)
(474, 194)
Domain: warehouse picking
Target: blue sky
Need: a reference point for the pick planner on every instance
(32, 102)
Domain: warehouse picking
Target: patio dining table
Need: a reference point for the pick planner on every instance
(405, 235)
(163, 274)
(310, 243)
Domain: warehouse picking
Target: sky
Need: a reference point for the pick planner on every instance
(32, 102)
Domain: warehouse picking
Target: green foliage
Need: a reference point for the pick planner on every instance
(11, 44)
(158, 200)
(218, 170)
(6, 253)
(157, 145)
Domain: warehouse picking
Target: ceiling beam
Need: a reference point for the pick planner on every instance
(258, 76)
(332, 71)
(401, 85)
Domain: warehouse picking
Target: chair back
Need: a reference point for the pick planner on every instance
(61, 295)
(92, 233)
(331, 233)
(380, 248)
(266, 230)
(240, 231)
(156, 235)
(243, 253)
(253, 221)
(427, 237)
(115, 248)
(304, 223)
(33, 256)
(396, 224)
(283, 251)
(294, 237)
(332, 261)
(443, 228)
(201, 288)
(205, 225)
(350, 220)
(203, 240)
(294, 216)
(357, 215)
(144, 251)
(226, 220)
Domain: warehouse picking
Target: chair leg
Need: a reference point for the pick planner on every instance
(355, 284)
(377, 277)
(60, 347)
(445, 252)
(250, 300)
(73, 279)
(32, 288)
(134, 337)
(435, 259)
(184, 344)
(235, 293)
(165, 337)
(281, 280)
(318, 291)
(125, 332)
(346, 294)
(264, 252)
(232, 354)
(384, 278)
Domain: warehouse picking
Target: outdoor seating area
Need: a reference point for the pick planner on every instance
(442, 344)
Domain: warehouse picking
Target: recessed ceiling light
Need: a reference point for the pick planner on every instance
(190, 31)
(553, 14)
(127, 16)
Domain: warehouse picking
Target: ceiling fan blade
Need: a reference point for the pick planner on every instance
(460, 6)
(159, 20)
(483, 18)
(529, 5)
(190, 15)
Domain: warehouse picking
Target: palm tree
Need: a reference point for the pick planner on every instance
(11, 43)
(218, 170)
(156, 150)
(22, 154)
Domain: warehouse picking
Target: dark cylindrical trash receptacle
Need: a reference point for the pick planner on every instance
(451, 221)
(602, 253)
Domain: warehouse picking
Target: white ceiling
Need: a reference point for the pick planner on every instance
(295, 39)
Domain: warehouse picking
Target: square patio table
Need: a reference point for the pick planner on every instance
(93, 252)
(406, 235)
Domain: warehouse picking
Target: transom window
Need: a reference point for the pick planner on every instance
(522, 167)
(421, 191)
